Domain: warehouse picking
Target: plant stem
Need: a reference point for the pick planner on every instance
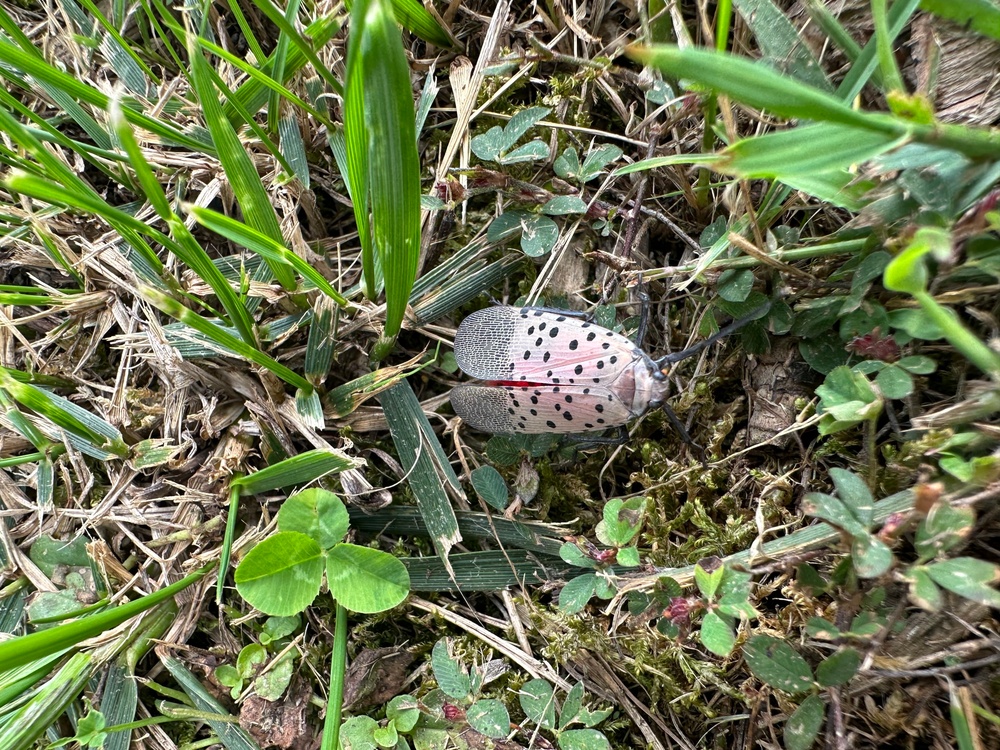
(338, 668)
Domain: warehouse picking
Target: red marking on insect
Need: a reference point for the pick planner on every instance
(549, 373)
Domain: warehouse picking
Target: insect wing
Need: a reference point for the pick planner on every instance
(536, 346)
(539, 409)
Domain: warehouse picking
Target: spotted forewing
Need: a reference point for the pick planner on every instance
(544, 372)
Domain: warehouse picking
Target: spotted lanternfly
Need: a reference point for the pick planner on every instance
(546, 372)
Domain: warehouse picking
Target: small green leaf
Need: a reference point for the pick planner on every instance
(872, 557)
(918, 365)
(567, 164)
(386, 736)
(490, 487)
(969, 578)
(530, 151)
(821, 629)
(833, 511)
(358, 733)
(404, 712)
(538, 703)
(854, 493)
(282, 574)
(777, 664)
(598, 159)
(539, 235)
(708, 576)
(562, 205)
(577, 592)
(717, 634)
(451, 676)
(487, 145)
(628, 557)
(572, 704)
(366, 580)
(520, 123)
(803, 726)
(923, 591)
(489, 717)
(945, 527)
(838, 669)
(916, 323)
(583, 739)
(622, 520)
(735, 285)
(317, 513)
(572, 554)
(894, 382)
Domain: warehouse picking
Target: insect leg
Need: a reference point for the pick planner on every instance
(620, 438)
(676, 423)
(640, 332)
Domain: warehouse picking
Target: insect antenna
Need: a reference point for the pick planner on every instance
(736, 325)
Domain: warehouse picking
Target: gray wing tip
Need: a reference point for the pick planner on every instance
(482, 407)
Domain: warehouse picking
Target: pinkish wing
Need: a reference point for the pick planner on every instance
(539, 408)
(514, 344)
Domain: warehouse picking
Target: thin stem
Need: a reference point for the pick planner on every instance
(338, 668)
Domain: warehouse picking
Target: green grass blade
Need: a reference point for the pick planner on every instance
(27, 648)
(240, 170)
(413, 438)
(301, 469)
(66, 414)
(320, 344)
(394, 167)
(415, 17)
(781, 43)
(17, 59)
(227, 343)
(981, 16)
(273, 251)
(805, 150)
(26, 725)
(230, 733)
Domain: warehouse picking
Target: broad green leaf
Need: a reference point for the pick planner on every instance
(317, 513)
(968, 577)
(451, 677)
(489, 717)
(803, 726)
(561, 205)
(854, 493)
(577, 592)
(404, 712)
(538, 236)
(572, 705)
(366, 580)
(833, 511)
(708, 575)
(490, 487)
(583, 739)
(776, 663)
(923, 591)
(621, 521)
(538, 703)
(838, 669)
(717, 635)
(945, 527)
(894, 382)
(282, 574)
(872, 557)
